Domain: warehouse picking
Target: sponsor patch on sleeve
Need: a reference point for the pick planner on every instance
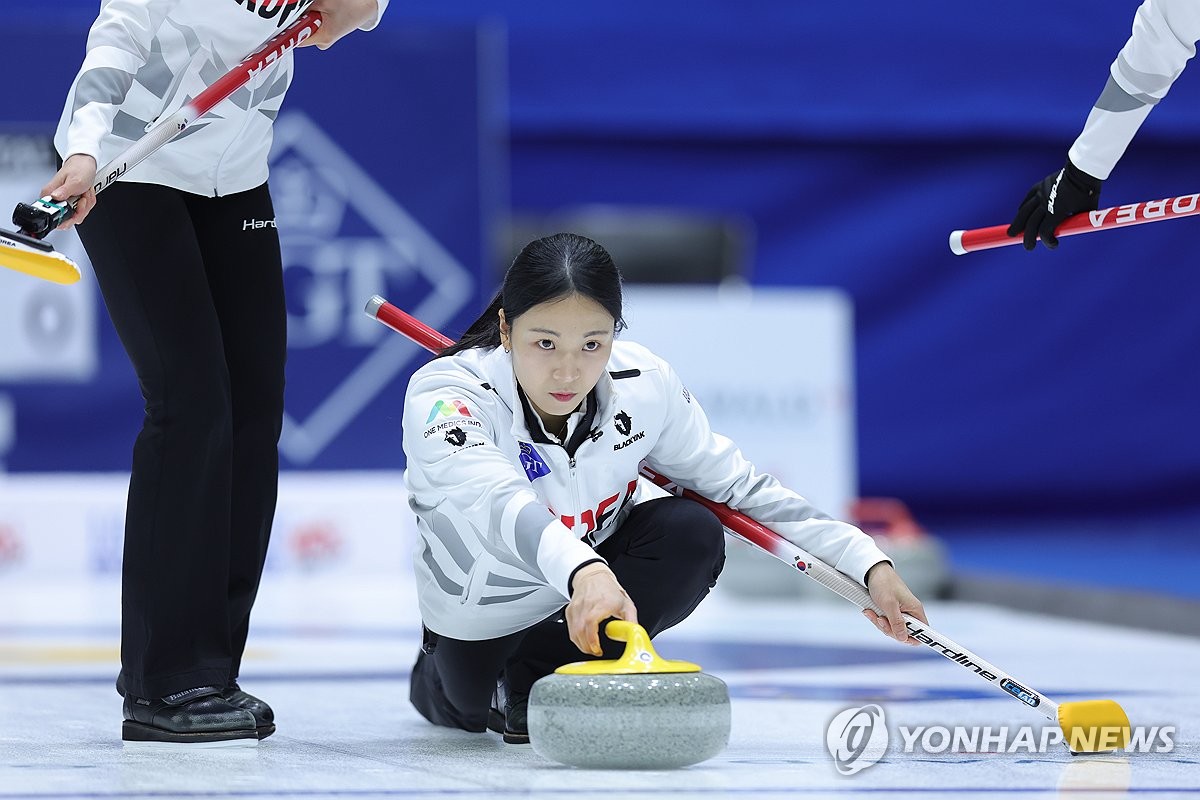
(532, 461)
(463, 425)
(448, 408)
(457, 436)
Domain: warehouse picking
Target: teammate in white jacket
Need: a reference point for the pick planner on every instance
(187, 256)
(523, 444)
(1164, 38)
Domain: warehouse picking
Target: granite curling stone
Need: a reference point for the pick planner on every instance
(640, 711)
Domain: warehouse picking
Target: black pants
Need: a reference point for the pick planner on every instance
(666, 555)
(195, 291)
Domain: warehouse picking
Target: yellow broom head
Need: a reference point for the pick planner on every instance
(1094, 726)
(36, 259)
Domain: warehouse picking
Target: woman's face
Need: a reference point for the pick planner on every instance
(559, 351)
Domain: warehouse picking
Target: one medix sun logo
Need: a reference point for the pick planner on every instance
(447, 409)
(269, 9)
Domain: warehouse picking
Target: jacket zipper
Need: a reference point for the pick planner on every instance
(574, 491)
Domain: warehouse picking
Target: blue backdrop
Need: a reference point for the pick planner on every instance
(377, 189)
(855, 138)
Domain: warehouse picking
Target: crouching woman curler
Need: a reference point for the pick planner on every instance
(523, 443)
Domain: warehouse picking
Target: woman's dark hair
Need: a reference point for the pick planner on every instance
(547, 269)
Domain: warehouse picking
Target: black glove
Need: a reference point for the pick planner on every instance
(1060, 195)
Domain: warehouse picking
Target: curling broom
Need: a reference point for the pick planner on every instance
(1187, 205)
(25, 252)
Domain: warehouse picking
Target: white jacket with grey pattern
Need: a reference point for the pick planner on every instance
(146, 58)
(1163, 40)
(503, 520)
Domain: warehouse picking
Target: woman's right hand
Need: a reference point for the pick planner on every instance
(595, 596)
(77, 177)
(340, 17)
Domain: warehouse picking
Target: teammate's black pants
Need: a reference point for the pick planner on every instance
(666, 555)
(195, 291)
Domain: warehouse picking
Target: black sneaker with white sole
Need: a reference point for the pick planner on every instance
(199, 717)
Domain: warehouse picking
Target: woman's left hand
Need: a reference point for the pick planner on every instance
(339, 18)
(892, 595)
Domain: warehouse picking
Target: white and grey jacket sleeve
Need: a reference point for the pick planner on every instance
(487, 492)
(1164, 38)
(117, 47)
(710, 464)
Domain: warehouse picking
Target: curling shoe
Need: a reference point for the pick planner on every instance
(509, 715)
(264, 717)
(196, 717)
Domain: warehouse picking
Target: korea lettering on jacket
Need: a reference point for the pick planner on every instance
(505, 516)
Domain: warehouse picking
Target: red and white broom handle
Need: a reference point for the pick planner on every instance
(755, 533)
(167, 129)
(1187, 205)
(760, 536)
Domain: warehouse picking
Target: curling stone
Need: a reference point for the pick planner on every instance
(640, 711)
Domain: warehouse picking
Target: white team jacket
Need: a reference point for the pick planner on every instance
(504, 521)
(1164, 38)
(146, 58)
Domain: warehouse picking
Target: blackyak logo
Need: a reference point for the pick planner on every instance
(623, 422)
(456, 437)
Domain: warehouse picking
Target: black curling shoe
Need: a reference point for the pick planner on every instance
(198, 717)
(509, 715)
(264, 717)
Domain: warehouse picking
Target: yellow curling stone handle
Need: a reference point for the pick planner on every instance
(1094, 726)
(639, 657)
